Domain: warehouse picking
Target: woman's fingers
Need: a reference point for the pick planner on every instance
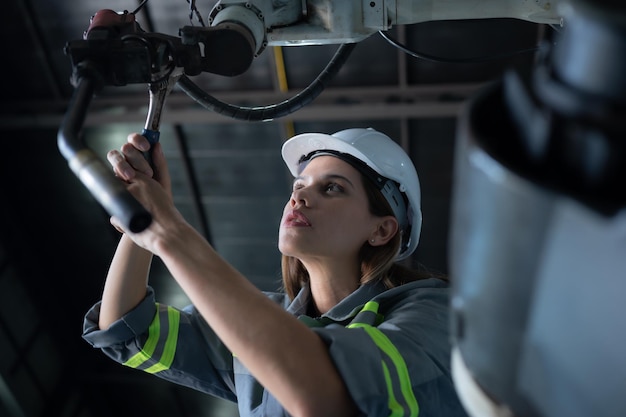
(133, 152)
(138, 141)
(120, 166)
(116, 223)
(130, 158)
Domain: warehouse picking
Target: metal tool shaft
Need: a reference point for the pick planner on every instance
(159, 90)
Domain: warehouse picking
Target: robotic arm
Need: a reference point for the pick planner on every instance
(316, 22)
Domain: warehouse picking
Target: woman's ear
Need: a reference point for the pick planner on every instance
(386, 229)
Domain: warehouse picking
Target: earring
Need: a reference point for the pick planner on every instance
(372, 240)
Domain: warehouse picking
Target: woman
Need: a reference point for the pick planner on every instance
(354, 334)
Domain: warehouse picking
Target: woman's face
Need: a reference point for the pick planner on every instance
(328, 212)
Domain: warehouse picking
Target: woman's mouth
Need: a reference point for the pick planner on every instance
(295, 218)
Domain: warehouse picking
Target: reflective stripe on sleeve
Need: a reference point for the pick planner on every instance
(401, 400)
(157, 354)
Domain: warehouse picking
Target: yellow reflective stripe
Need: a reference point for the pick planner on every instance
(148, 348)
(396, 358)
(169, 350)
(371, 306)
(173, 317)
(386, 346)
(395, 407)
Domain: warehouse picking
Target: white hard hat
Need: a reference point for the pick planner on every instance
(382, 155)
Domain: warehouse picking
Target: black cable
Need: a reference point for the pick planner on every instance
(433, 58)
(271, 111)
(194, 10)
(143, 3)
(137, 37)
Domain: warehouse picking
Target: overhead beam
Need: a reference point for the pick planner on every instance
(372, 103)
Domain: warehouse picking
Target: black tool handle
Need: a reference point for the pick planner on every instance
(153, 138)
(108, 190)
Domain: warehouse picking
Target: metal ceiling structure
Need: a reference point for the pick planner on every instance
(228, 178)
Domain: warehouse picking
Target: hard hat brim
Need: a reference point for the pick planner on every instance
(306, 143)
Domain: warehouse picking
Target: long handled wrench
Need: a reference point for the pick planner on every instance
(159, 90)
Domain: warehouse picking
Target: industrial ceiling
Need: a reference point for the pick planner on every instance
(228, 178)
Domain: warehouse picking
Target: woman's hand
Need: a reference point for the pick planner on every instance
(130, 159)
(150, 185)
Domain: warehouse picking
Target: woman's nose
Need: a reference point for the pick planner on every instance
(298, 198)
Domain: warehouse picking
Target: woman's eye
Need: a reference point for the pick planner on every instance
(333, 187)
